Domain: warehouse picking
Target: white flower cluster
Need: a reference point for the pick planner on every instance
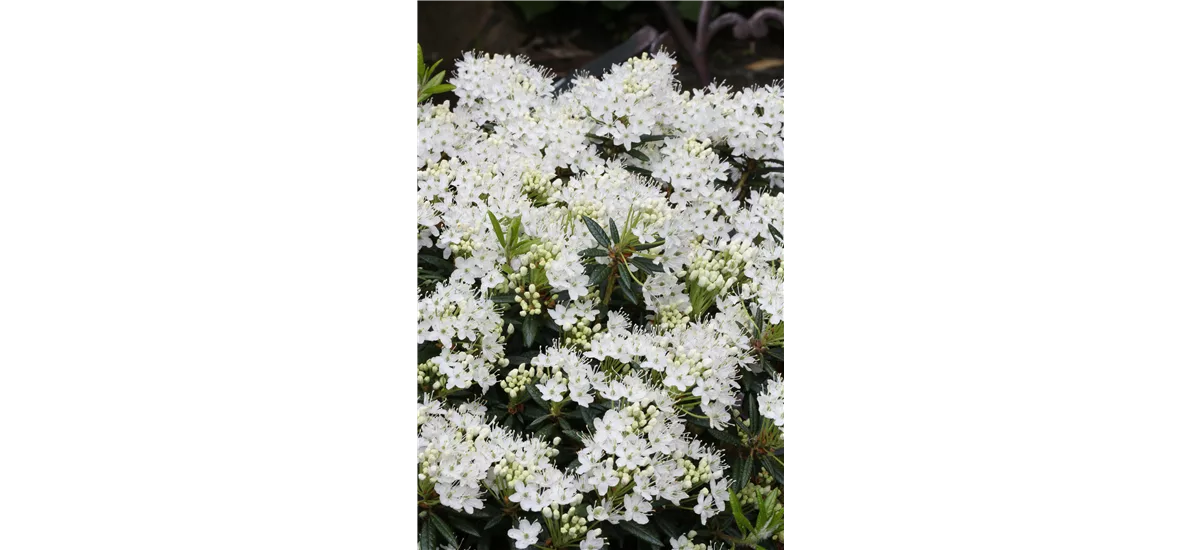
(640, 328)
(770, 402)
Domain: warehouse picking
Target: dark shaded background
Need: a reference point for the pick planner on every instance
(564, 36)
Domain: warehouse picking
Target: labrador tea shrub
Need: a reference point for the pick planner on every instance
(600, 319)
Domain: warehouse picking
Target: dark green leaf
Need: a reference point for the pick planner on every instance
(593, 252)
(725, 437)
(466, 526)
(777, 353)
(529, 329)
(597, 232)
(539, 420)
(627, 286)
(612, 228)
(504, 298)
(639, 155)
(742, 468)
(648, 246)
(645, 264)
(647, 138)
(426, 539)
(640, 171)
(641, 532)
(587, 414)
(496, 227)
(775, 233)
(754, 418)
(537, 397)
(667, 525)
(599, 275)
(493, 522)
(442, 528)
(773, 468)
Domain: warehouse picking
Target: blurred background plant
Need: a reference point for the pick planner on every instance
(566, 36)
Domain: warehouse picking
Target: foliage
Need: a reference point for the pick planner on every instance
(429, 83)
(601, 312)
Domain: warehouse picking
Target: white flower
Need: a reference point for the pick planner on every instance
(525, 534)
(593, 541)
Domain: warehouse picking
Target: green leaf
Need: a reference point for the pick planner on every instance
(522, 247)
(776, 353)
(593, 253)
(493, 522)
(440, 88)
(465, 526)
(533, 9)
(647, 138)
(442, 528)
(640, 171)
(597, 232)
(435, 80)
(529, 329)
(420, 65)
(648, 246)
(640, 532)
(429, 71)
(612, 228)
(775, 233)
(496, 227)
(639, 155)
(690, 10)
(626, 283)
(742, 468)
(755, 421)
(725, 437)
(514, 230)
(426, 539)
(774, 468)
(539, 420)
(599, 275)
(504, 298)
(744, 524)
(647, 265)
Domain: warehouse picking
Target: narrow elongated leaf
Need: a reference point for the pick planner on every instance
(645, 264)
(442, 528)
(426, 539)
(514, 231)
(529, 329)
(612, 228)
(725, 437)
(420, 64)
(599, 275)
(493, 522)
(465, 526)
(504, 298)
(648, 246)
(742, 469)
(626, 283)
(597, 232)
(639, 155)
(774, 468)
(744, 524)
(776, 353)
(593, 252)
(647, 138)
(539, 420)
(755, 421)
(641, 532)
(640, 171)
(496, 227)
(775, 233)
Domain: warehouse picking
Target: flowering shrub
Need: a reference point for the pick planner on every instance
(601, 311)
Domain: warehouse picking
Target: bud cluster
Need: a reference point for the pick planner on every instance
(429, 376)
(569, 525)
(536, 186)
(516, 380)
(530, 300)
(684, 542)
(669, 318)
